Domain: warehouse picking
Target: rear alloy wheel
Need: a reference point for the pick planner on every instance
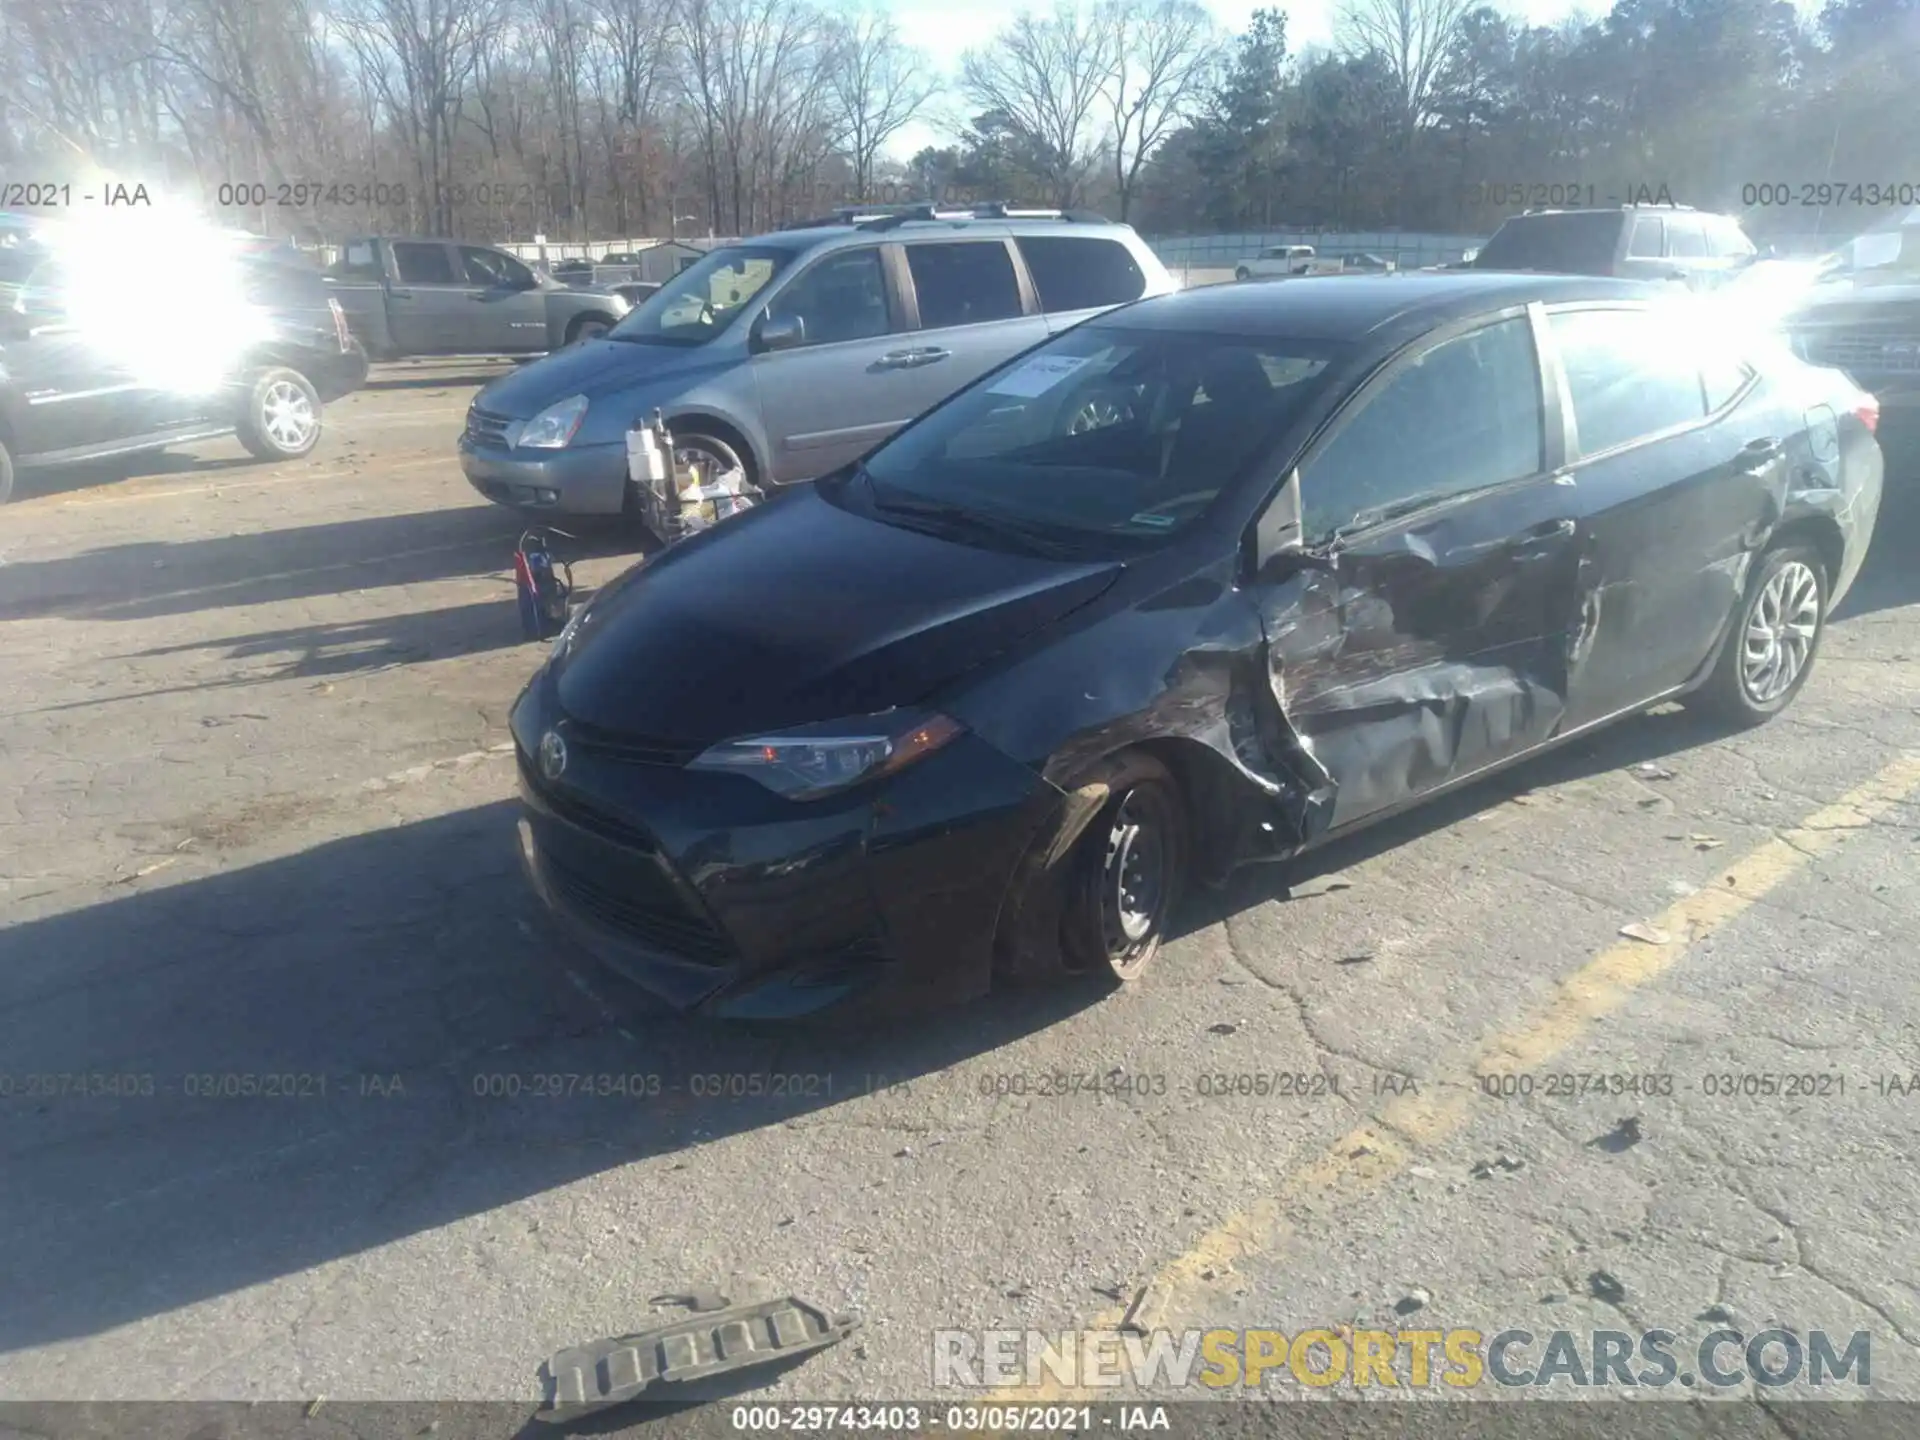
(280, 418)
(1776, 634)
(1128, 872)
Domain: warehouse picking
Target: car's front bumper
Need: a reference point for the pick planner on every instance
(722, 898)
(580, 480)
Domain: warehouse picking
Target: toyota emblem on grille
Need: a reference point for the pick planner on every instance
(553, 755)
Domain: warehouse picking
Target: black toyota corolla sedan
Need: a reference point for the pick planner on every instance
(1210, 579)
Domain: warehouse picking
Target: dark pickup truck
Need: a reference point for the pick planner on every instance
(450, 297)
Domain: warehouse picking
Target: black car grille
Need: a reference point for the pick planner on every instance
(486, 428)
(628, 749)
(644, 903)
(1865, 352)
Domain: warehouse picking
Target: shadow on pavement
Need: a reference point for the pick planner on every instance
(397, 993)
(149, 578)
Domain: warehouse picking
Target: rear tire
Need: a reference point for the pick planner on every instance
(6, 475)
(280, 418)
(1770, 650)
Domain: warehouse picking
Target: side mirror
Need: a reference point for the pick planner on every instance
(782, 332)
(1279, 549)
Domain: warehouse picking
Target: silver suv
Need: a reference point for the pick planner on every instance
(1633, 242)
(791, 354)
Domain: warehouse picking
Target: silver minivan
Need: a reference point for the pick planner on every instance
(788, 355)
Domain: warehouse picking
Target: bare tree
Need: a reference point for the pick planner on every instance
(1045, 75)
(878, 85)
(1413, 39)
(637, 38)
(1163, 55)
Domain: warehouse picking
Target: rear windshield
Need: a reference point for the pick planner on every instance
(1575, 244)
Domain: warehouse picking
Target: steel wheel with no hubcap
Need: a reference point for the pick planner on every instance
(1134, 883)
(1780, 632)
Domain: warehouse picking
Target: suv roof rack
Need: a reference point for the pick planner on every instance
(889, 217)
(1601, 209)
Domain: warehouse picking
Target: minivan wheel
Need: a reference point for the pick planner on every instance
(1775, 637)
(6, 475)
(280, 417)
(1128, 871)
(712, 456)
(1243, 273)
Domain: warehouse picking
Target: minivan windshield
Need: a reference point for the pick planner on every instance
(1125, 434)
(705, 298)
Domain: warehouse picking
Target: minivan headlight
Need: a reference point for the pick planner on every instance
(816, 760)
(554, 426)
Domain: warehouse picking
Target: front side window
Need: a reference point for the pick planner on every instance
(1574, 241)
(422, 264)
(963, 283)
(1631, 373)
(705, 298)
(1464, 416)
(842, 297)
(1126, 435)
(1685, 240)
(1649, 238)
(359, 262)
(494, 269)
(1075, 273)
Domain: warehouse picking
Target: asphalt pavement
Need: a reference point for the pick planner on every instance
(300, 1098)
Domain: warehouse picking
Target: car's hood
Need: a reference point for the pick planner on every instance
(800, 611)
(593, 368)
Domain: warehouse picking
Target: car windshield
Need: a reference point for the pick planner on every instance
(1104, 432)
(705, 298)
(1580, 243)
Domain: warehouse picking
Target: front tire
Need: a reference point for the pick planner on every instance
(280, 418)
(1243, 273)
(1775, 636)
(1128, 870)
(588, 327)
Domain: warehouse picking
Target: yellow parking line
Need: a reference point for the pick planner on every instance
(1370, 1155)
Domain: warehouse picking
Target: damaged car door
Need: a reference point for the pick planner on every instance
(1415, 635)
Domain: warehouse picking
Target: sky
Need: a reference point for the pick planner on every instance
(943, 29)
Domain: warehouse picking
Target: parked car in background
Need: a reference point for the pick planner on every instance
(82, 382)
(1277, 261)
(406, 297)
(1633, 242)
(1015, 676)
(790, 354)
(1862, 315)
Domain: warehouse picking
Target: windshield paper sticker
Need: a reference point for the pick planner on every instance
(1157, 522)
(1038, 375)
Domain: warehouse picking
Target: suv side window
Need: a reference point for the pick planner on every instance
(1079, 273)
(1684, 238)
(1726, 239)
(493, 268)
(1648, 238)
(1473, 401)
(842, 297)
(1628, 374)
(420, 263)
(965, 282)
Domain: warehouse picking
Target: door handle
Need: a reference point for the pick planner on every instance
(1758, 454)
(1539, 541)
(400, 294)
(912, 359)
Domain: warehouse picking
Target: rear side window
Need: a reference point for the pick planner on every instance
(963, 283)
(1075, 273)
(1574, 242)
(1649, 239)
(422, 264)
(1474, 403)
(1685, 240)
(1630, 375)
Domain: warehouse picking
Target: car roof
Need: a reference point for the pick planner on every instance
(813, 236)
(1350, 307)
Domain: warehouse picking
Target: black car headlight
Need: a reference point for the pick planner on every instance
(811, 761)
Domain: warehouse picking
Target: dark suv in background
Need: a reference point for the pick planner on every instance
(1631, 242)
(790, 354)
